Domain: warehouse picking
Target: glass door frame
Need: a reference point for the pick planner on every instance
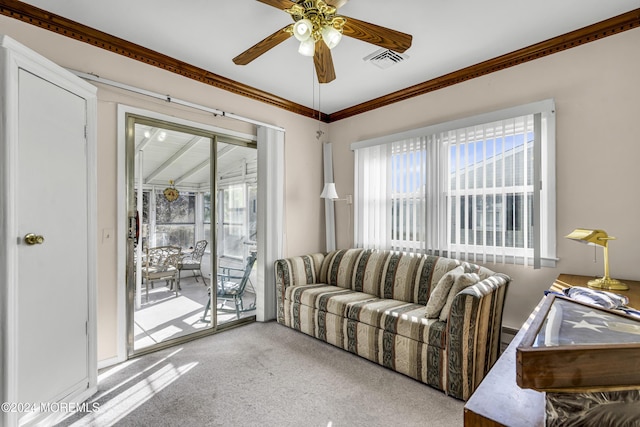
(131, 119)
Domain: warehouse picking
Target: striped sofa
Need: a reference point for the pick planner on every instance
(373, 303)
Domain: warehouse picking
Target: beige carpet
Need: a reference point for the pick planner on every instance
(263, 374)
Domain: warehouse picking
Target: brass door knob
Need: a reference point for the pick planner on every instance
(32, 239)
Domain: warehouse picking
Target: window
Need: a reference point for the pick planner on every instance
(463, 189)
(233, 220)
(173, 222)
(206, 216)
(239, 209)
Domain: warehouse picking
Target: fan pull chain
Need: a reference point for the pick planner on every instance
(319, 132)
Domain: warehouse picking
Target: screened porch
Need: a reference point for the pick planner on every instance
(195, 244)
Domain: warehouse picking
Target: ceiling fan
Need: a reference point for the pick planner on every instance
(319, 28)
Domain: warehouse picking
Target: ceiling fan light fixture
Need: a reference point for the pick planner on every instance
(307, 47)
(331, 36)
(315, 20)
(303, 29)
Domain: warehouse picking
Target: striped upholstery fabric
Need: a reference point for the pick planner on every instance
(372, 303)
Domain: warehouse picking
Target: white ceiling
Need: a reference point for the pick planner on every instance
(448, 35)
(184, 158)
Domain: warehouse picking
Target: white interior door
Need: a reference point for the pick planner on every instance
(53, 277)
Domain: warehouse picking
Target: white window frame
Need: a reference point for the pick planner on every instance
(544, 171)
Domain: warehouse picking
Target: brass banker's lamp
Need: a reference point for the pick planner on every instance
(600, 238)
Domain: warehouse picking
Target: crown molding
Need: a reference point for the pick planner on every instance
(609, 27)
(66, 27)
(55, 23)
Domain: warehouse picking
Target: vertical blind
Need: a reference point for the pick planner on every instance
(372, 206)
(417, 201)
(491, 192)
(466, 192)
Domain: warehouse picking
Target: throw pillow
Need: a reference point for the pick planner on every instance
(483, 272)
(463, 281)
(438, 297)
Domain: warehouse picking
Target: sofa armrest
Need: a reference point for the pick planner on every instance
(473, 334)
(295, 271)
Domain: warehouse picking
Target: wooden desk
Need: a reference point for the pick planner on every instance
(498, 401)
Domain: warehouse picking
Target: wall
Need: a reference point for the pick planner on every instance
(596, 95)
(596, 90)
(303, 153)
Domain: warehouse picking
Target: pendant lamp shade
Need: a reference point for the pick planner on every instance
(307, 47)
(331, 36)
(302, 29)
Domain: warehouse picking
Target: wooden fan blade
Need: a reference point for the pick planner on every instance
(336, 3)
(262, 46)
(280, 4)
(375, 34)
(324, 63)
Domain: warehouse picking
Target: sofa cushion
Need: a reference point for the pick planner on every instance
(411, 278)
(338, 267)
(398, 317)
(438, 297)
(325, 297)
(462, 281)
(482, 272)
(404, 277)
(369, 271)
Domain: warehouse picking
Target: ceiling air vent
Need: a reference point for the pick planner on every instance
(385, 58)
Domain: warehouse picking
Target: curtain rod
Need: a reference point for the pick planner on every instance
(170, 99)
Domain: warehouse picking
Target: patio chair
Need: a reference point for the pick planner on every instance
(193, 261)
(231, 286)
(161, 263)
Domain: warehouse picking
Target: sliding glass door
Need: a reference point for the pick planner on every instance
(236, 231)
(186, 249)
